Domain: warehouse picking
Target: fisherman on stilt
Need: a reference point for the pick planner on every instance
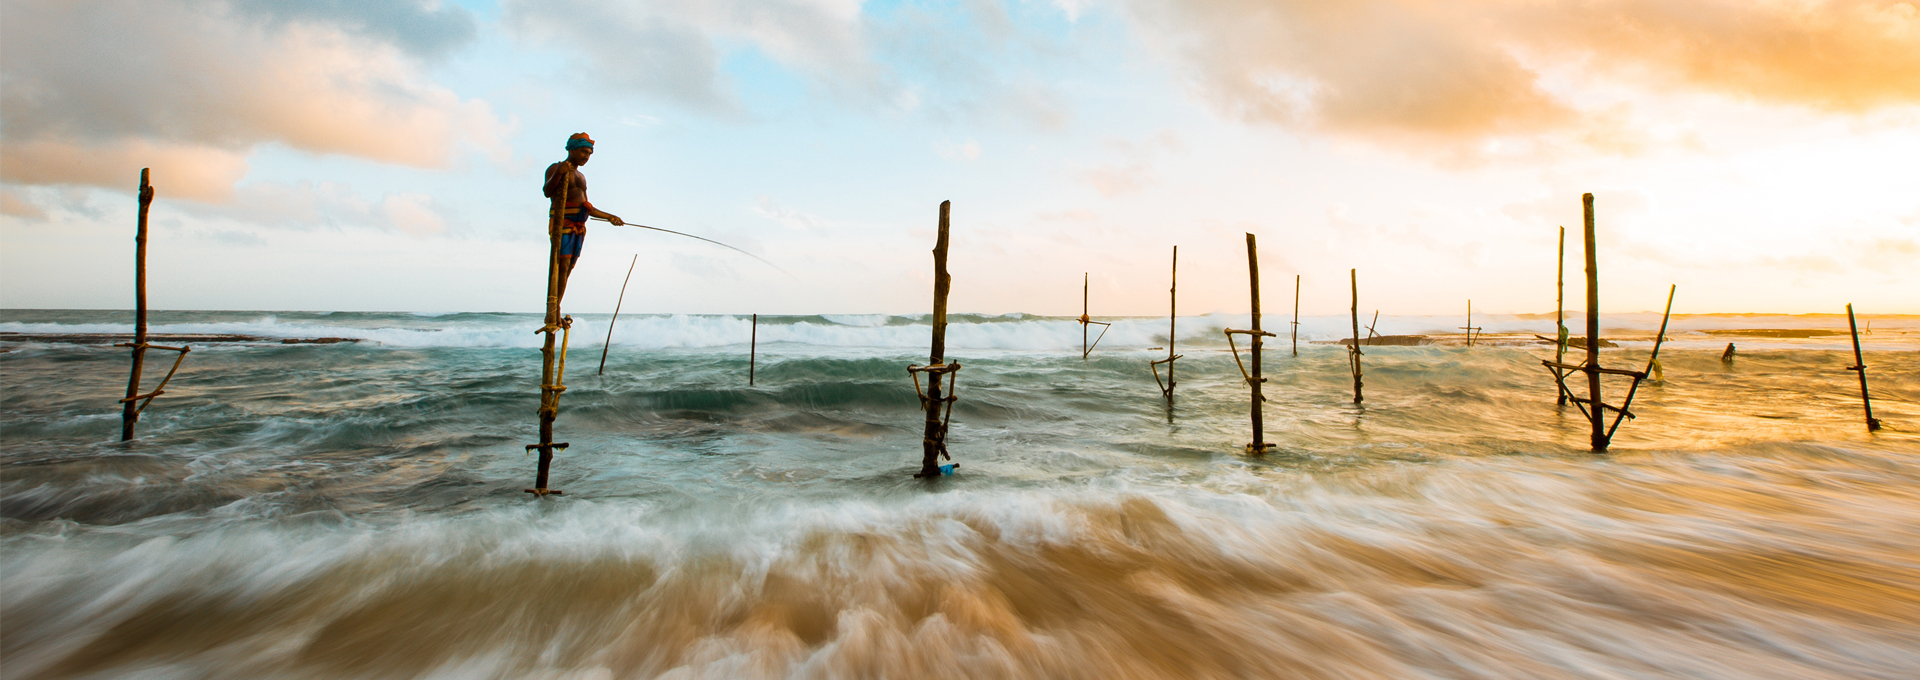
(573, 226)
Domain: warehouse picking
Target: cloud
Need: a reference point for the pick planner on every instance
(788, 217)
(964, 151)
(1134, 172)
(308, 205)
(966, 63)
(13, 204)
(668, 47)
(96, 89)
(1457, 75)
(421, 27)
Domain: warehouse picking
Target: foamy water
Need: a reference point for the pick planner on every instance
(296, 511)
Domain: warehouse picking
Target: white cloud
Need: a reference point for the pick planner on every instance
(96, 89)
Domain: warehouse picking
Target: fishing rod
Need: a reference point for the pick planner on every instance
(703, 238)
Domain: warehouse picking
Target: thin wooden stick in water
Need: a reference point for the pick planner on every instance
(1353, 356)
(753, 349)
(1860, 365)
(616, 313)
(1296, 315)
(129, 414)
(1560, 317)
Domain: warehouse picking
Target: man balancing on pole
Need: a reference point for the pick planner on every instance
(573, 228)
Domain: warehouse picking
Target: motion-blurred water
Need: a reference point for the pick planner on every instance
(355, 510)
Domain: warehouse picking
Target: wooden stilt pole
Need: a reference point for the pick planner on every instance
(1173, 316)
(934, 440)
(1296, 315)
(1353, 352)
(1860, 366)
(129, 414)
(1596, 411)
(1253, 378)
(1469, 328)
(616, 314)
(1594, 405)
(1173, 308)
(551, 372)
(1560, 318)
(1087, 322)
(753, 349)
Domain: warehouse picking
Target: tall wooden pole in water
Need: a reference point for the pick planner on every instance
(1259, 445)
(1296, 315)
(1560, 317)
(550, 377)
(1083, 314)
(1860, 365)
(753, 349)
(934, 439)
(1353, 355)
(1597, 405)
(1173, 309)
(129, 414)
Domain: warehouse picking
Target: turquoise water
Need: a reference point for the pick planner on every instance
(355, 510)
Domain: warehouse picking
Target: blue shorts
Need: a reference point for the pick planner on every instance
(570, 244)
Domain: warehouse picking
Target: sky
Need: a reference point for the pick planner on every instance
(384, 155)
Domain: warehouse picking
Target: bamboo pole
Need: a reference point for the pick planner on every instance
(550, 378)
(1353, 353)
(1469, 328)
(1296, 315)
(129, 414)
(1560, 317)
(1860, 365)
(1653, 359)
(616, 314)
(753, 349)
(934, 439)
(1173, 309)
(1596, 411)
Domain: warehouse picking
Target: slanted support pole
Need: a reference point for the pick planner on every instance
(552, 372)
(1087, 322)
(1253, 378)
(616, 315)
(129, 414)
(1353, 351)
(1860, 366)
(1173, 308)
(939, 405)
(1296, 315)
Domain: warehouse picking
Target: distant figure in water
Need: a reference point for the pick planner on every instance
(573, 226)
(1727, 356)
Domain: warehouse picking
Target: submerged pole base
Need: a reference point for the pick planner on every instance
(544, 492)
(1258, 449)
(936, 471)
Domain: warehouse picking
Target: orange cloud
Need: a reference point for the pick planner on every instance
(1462, 72)
(97, 87)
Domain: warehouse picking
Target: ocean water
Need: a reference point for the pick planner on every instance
(355, 510)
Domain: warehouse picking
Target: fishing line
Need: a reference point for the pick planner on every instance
(717, 243)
